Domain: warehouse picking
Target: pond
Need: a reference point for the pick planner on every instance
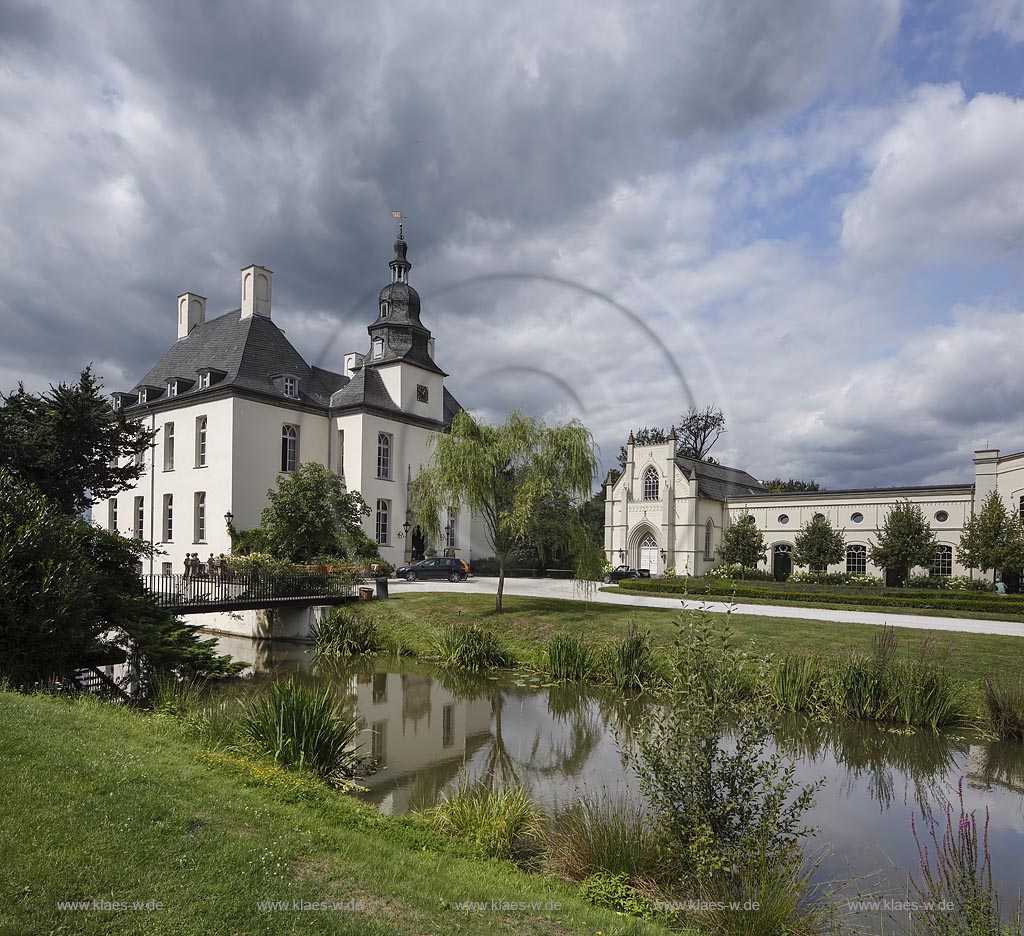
(427, 727)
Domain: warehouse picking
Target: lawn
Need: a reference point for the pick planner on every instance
(101, 803)
(528, 623)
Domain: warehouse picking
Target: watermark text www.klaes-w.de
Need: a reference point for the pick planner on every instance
(888, 905)
(112, 906)
(508, 906)
(352, 905)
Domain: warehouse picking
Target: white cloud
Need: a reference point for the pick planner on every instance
(947, 179)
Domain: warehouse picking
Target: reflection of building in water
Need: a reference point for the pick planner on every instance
(267, 656)
(419, 732)
(999, 763)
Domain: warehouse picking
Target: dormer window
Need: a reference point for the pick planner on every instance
(385, 309)
(204, 381)
(378, 348)
(116, 402)
(142, 395)
(172, 388)
(291, 387)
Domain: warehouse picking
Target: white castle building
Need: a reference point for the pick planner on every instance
(668, 512)
(234, 406)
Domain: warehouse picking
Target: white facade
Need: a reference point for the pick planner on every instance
(665, 512)
(234, 407)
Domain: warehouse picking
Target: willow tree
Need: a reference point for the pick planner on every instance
(504, 473)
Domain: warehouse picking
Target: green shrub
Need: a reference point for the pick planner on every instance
(1004, 702)
(470, 647)
(631, 664)
(569, 658)
(604, 834)
(735, 571)
(901, 598)
(501, 821)
(302, 726)
(835, 578)
(349, 630)
(614, 892)
(953, 583)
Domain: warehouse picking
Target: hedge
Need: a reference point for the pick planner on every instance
(1013, 604)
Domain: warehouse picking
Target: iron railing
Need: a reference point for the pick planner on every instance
(249, 589)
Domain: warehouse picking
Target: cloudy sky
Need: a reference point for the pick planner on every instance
(810, 212)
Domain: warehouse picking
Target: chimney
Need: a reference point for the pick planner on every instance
(191, 312)
(256, 291)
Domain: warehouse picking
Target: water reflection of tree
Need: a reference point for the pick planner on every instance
(923, 759)
(997, 763)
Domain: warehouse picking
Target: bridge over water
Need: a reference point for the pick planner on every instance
(237, 591)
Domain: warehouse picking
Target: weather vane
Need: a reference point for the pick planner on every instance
(401, 219)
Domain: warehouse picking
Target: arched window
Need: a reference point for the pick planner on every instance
(709, 540)
(651, 483)
(857, 560)
(1022, 507)
(943, 563)
(384, 456)
(451, 529)
(378, 348)
(384, 309)
(289, 448)
(383, 527)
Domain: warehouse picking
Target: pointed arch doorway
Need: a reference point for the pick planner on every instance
(647, 553)
(419, 544)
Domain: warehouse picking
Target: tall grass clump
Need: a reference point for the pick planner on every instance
(794, 682)
(471, 648)
(603, 834)
(349, 631)
(302, 726)
(955, 887)
(172, 695)
(569, 658)
(631, 663)
(767, 898)
(501, 821)
(916, 691)
(1004, 702)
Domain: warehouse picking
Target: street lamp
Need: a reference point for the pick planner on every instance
(622, 555)
(228, 517)
(406, 527)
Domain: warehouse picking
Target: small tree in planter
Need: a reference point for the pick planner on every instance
(818, 545)
(906, 540)
(743, 543)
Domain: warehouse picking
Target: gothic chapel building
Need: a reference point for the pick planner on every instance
(234, 406)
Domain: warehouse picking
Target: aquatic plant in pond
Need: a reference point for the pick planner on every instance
(955, 886)
(1004, 702)
(470, 647)
(604, 833)
(347, 631)
(302, 726)
(631, 664)
(500, 820)
(793, 683)
(569, 658)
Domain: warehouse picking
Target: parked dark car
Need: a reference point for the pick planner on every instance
(624, 572)
(455, 570)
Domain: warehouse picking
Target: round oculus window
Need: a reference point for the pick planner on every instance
(783, 519)
(942, 516)
(857, 517)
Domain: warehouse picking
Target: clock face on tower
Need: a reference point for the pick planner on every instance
(422, 393)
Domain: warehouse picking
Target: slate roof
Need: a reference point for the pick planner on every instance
(366, 388)
(250, 352)
(718, 482)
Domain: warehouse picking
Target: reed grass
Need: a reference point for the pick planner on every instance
(794, 682)
(501, 821)
(471, 648)
(604, 834)
(631, 664)
(347, 632)
(172, 695)
(569, 658)
(1004, 702)
(302, 726)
